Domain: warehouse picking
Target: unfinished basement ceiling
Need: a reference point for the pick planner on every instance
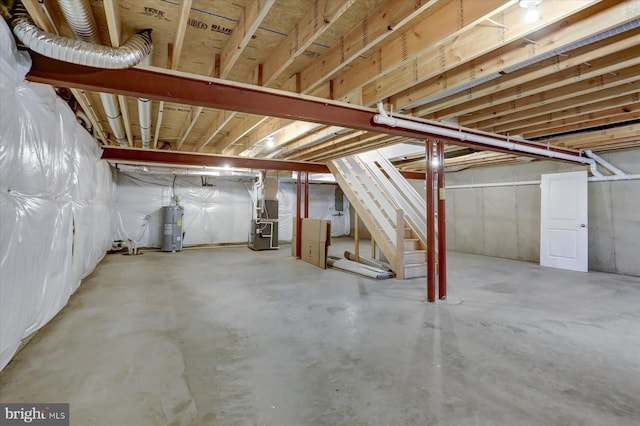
(569, 79)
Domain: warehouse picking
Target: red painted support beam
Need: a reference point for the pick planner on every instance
(431, 237)
(442, 231)
(298, 241)
(191, 89)
(137, 155)
(306, 194)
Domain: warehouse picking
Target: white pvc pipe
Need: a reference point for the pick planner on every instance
(113, 116)
(537, 182)
(604, 163)
(383, 118)
(144, 116)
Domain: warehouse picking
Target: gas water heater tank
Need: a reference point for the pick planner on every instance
(172, 228)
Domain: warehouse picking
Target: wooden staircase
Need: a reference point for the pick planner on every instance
(392, 211)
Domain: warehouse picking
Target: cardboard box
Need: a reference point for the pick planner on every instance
(316, 237)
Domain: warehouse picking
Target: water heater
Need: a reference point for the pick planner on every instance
(172, 228)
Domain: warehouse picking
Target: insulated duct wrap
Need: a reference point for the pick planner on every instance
(132, 52)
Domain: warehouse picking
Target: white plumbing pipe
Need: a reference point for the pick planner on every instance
(604, 163)
(113, 116)
(383, 118)
(144, 116)
(537, 182)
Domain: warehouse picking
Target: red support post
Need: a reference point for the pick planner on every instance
(306, 194)
(442, 231)
(431, 237)
(298, 218)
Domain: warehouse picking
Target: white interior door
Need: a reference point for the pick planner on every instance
(564, 233)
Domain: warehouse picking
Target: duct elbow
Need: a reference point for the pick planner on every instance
(132, 52)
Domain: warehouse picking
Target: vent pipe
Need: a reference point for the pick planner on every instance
(144, 113)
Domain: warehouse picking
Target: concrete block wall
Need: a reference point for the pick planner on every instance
(504, 221)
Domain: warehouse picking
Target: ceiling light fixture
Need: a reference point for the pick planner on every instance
(270, 142)
(532, 14)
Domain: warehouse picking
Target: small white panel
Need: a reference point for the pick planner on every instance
(562, 199)
(563, 243)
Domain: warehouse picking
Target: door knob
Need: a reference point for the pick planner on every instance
(583, 225)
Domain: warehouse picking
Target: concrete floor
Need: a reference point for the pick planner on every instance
(227, 336)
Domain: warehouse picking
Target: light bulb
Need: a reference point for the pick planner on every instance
(532, 15)
(270, 142)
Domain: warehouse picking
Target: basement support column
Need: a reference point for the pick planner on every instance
(306, 195)
(431, 237)
(298, 241)
(442, 231)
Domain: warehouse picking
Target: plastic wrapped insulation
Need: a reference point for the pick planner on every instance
(132, 52)
(55, 201)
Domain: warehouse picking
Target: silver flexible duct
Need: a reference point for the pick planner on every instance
(77, 51)
(80, 17)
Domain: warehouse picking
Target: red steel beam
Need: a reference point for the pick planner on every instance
(306, 194)
(138, 155)
(431, 237)
(442, 231)
(191, 89)
(298, 218)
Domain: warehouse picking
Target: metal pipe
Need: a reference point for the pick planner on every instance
(613, 178)
(306, 194)
(442, 229)
(604, 163)
(383, 118)
(144, 116)
(109, 102)
(298, 218)
(431, 240)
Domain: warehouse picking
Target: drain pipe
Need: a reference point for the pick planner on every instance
(144, 114)
(383, 118)
(114, 117)
(604, 163)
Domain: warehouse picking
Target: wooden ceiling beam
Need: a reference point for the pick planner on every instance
(359, 148)
(380, 24)
(551, 86)
(318, 19)
(574, 62)
(321, 15)
(589, 88)
(330, 147)
(268, 128)
(334, 141)
(607, 136)
(468, 46)
(567, 115)
(502, 123)
(318, 136)
(283, 137)
(254, 13)
(446, 23)
(588, 122)
(174, 58)
(250, 19)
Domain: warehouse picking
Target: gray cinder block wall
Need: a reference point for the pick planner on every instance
(504, 221)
